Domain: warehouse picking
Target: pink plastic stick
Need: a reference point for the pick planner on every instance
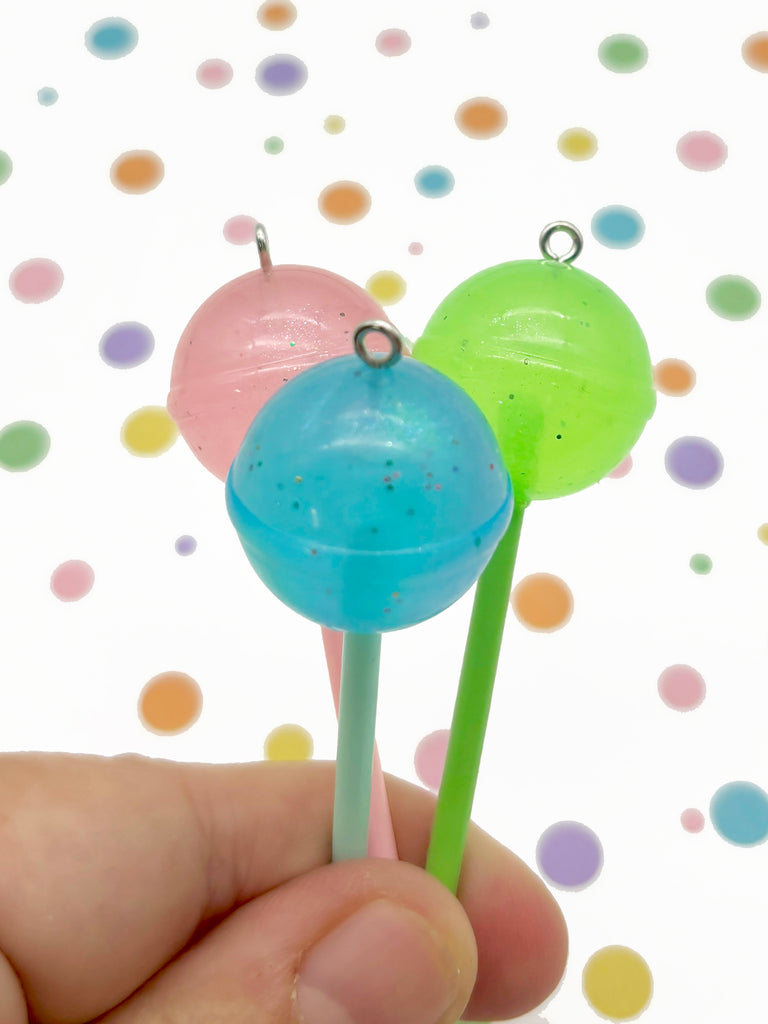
(381, 836)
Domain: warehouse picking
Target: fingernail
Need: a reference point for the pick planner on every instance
(383, 965)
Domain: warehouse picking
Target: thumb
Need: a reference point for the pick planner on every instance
(358, 942)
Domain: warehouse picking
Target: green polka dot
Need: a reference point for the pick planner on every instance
(23, 445)
(733, 297)
(623, 54)
(701, 564)
(6, 166)
(273, 145)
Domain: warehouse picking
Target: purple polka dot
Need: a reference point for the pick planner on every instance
(480, 20)
(569, 855)
(126, 345)
(186, 545)
(281, 74)
(694, 462)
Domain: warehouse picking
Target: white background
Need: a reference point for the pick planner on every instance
(577, 728)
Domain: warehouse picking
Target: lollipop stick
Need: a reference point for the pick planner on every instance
(381, 836)
(354, 755)
(470, 714)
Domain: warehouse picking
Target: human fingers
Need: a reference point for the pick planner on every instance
(359, 942)
(114, 866)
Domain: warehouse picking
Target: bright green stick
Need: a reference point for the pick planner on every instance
(360, 657)
(470, 713)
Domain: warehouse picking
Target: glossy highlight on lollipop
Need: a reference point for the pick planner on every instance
(560, 367)
(368, 495)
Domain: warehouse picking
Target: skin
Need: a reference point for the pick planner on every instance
(136, 890)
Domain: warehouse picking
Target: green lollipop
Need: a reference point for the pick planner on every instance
(560, 368)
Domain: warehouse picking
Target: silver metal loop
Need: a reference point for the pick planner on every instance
(393, 336)
(577, 242)
(262, 243)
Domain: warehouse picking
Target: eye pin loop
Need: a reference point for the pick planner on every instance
(262, 243)
(545, 239)
(393, 336)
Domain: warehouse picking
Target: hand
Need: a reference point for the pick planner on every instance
(140, 891)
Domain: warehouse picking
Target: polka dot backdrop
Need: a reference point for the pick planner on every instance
(625, 756)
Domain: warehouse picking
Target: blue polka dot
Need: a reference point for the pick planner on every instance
(111, 38)
(739, 812)
(618, 227)
(434, 181)
(47, 96)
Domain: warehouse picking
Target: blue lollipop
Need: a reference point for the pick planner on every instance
(368, 494)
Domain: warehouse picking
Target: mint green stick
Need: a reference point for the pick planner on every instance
(470, 713)
(360, 656)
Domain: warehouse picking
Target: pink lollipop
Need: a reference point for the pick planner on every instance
(246, 340)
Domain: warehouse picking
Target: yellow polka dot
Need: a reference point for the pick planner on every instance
(149, 431)
(617, 982)
(386, 287)
(577, 144)
(762, 533)
(288, 743)
(334, 124)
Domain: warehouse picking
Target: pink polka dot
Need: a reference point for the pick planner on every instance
(692, 820)
(36, 280)
(622, 469)
(72, 580)
(240, 230)
(702, 151)
(214, 73)
(393, 42)
(681, 687)
(415, 248)
(429, 759)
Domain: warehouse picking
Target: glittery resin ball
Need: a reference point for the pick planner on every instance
(249, 338)
(557, 363)
(369, 498)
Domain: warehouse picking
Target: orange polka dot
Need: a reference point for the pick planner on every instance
(276, 14)
(755, 51)
(481, 118)
(542, 602)
(137, 171)
(673, 377)
(170, 702)
(344, 202)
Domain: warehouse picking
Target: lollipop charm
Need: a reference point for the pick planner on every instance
(368, 494)
(246, 340)
(560, 368)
